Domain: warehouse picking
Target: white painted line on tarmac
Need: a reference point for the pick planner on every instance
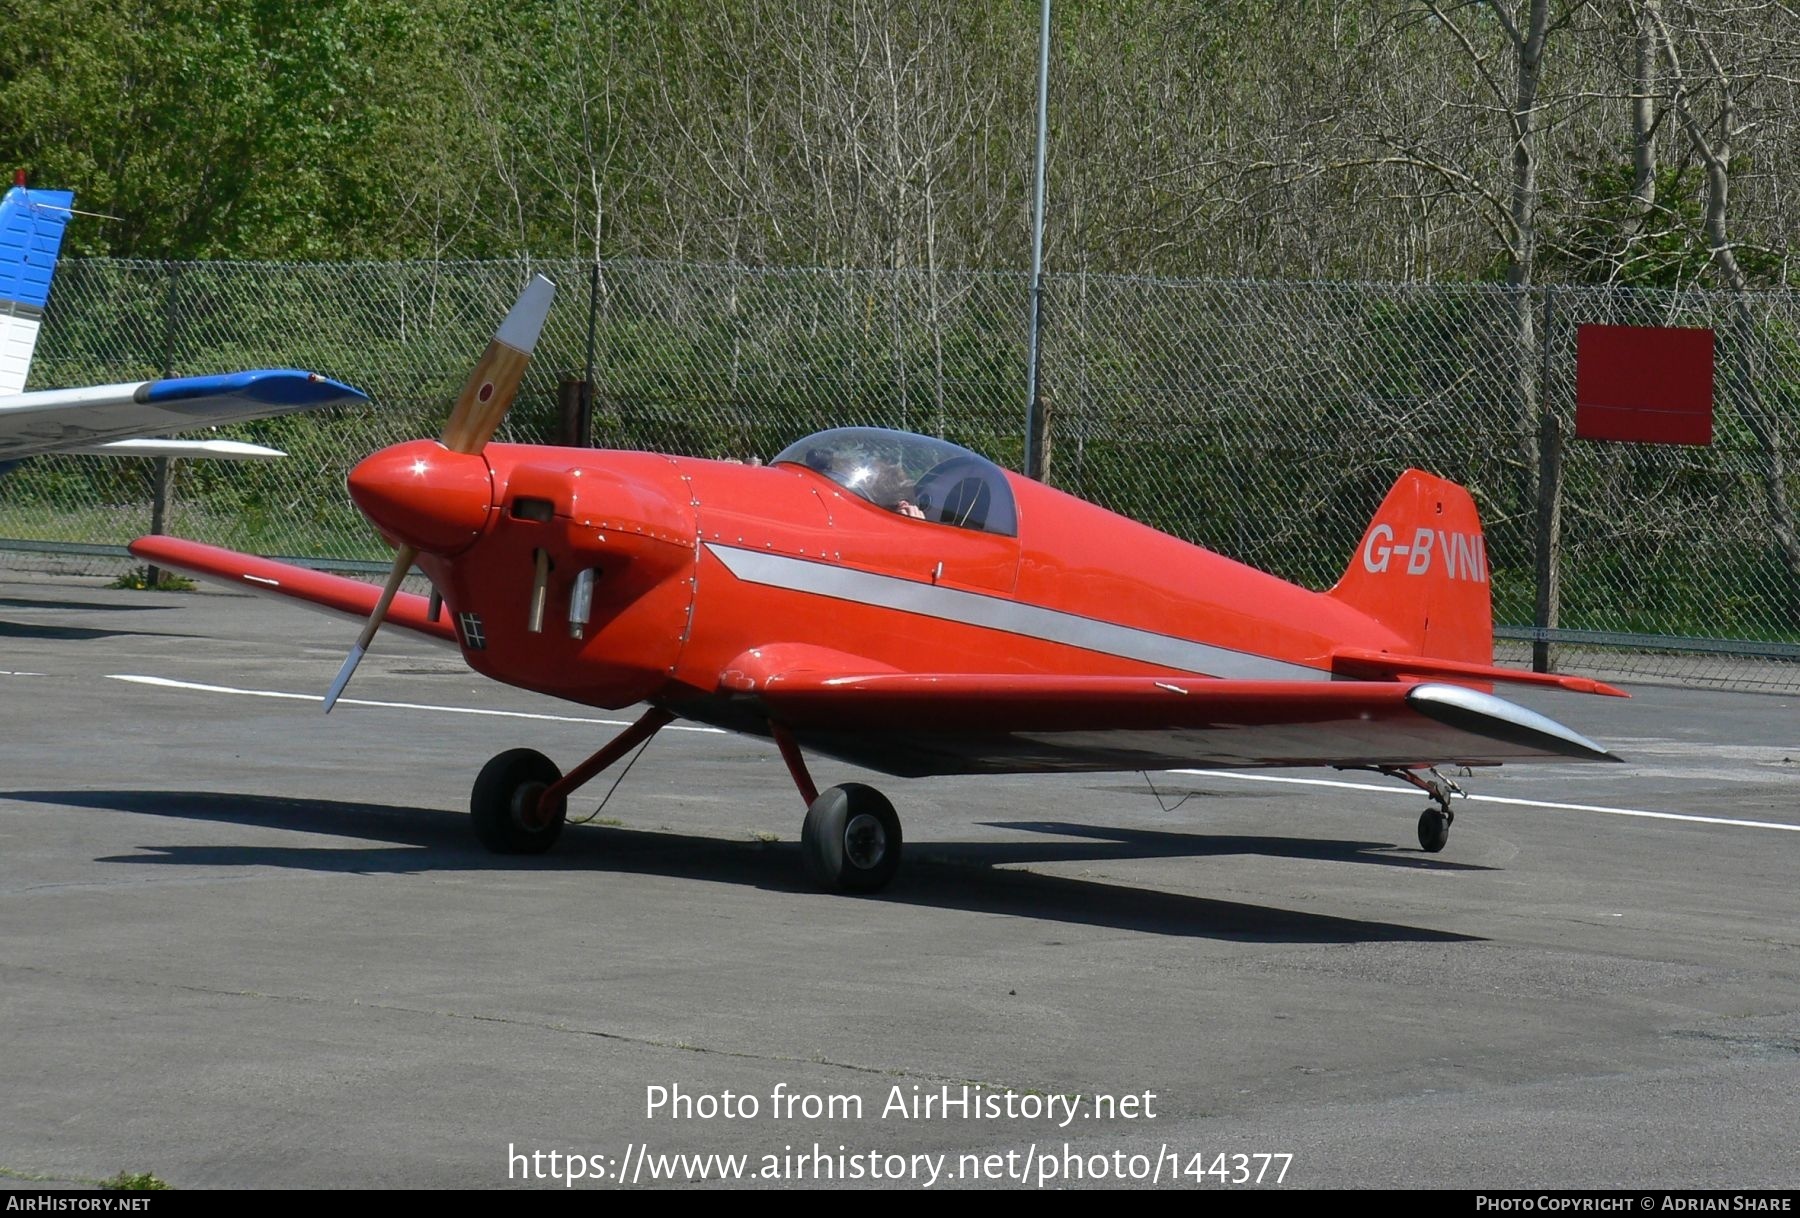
(170, 683)
(1499, 799)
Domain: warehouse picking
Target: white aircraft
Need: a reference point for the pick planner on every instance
(116, 419)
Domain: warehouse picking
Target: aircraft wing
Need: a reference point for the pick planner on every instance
(55, 420)
(350, 598)
(914, 724)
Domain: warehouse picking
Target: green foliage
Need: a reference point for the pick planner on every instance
(1612, 240)
(1247, 137)
(138, 580)
(135, 1182)
(243, 128)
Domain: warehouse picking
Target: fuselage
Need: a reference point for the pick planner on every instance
(706, 573)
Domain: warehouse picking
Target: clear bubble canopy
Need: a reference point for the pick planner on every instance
(916, 476)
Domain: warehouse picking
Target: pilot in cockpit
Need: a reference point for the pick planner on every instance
(877, 479)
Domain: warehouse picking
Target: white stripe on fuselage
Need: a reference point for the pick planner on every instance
(999, 613)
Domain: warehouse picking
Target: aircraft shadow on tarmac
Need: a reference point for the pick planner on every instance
(1107, 843)
(37, 602)
(948, 875)
(23, 630)
(61, 630)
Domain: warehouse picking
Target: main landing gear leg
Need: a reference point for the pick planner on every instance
(851, 838)
(1434, 823)
(520, 798)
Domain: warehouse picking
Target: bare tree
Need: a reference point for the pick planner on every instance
(1710, 103)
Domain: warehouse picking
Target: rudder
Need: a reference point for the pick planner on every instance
(31, 232)
(1421, 570)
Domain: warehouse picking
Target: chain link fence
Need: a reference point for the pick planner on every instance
(1263, 420)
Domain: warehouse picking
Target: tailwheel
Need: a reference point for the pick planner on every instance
(1434, 823)
(507, 807)
(1434, 828)
(851, 839)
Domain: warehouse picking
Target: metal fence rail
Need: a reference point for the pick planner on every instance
(1264, 420)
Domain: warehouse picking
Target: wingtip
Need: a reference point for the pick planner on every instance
(1485, 714)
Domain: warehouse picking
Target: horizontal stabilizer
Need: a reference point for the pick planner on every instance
(1358, 662)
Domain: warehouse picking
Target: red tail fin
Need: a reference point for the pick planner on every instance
(1422, 571)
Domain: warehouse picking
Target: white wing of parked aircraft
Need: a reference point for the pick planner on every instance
(116, 419)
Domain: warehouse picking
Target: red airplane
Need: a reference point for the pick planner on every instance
(906, 605)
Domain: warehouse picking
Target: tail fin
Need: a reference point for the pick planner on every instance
(31, 232)
(1422, 571)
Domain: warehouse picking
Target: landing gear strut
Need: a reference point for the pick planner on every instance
(851, 838)
(520, 799)
(850, 841)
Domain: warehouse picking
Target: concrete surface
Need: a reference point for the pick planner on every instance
(243, 944)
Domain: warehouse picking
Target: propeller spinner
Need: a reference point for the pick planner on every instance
(435, 495)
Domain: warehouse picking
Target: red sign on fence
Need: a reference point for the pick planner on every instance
(1647, 384)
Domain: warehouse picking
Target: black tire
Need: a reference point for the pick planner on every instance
(1434, 830)
(851, 840)
(504, 807)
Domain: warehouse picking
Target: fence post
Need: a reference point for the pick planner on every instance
(162, 475)
(1038, 442)
(1549, 512)
(1035, 428)
(584, 436)
(162, 481)
(571, 396)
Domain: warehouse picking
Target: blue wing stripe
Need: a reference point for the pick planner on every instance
(273, 386)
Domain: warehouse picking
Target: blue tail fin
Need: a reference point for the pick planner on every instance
(31, 233)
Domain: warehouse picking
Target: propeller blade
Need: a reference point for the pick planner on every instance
(479, 409)
(403, 562)
(495, 380)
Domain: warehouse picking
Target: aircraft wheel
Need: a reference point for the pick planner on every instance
(851, 839)
(1434, 829)
(504, 803)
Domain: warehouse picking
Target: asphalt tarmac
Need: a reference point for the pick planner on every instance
(246, 944)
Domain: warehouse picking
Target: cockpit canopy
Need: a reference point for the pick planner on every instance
(915, 476)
